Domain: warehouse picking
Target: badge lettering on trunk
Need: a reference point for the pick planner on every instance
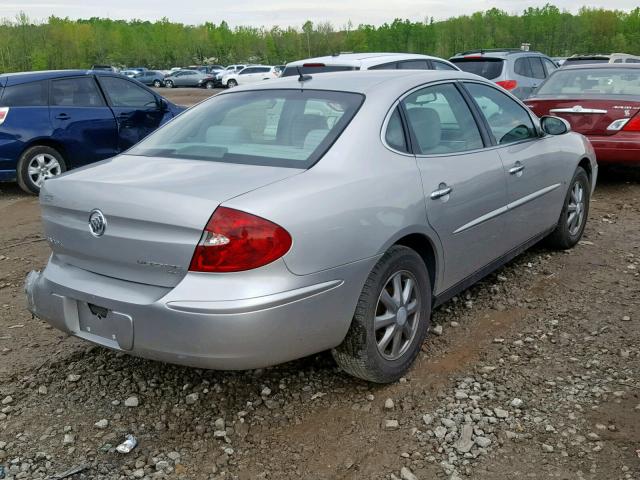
(97, 223)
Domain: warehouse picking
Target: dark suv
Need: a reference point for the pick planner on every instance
(54, 121)
(515, 70)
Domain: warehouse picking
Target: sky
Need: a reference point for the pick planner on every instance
(279, 12)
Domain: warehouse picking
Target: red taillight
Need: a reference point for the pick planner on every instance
(234, 241)
(632, 125)
(4, 111)
(508, 84)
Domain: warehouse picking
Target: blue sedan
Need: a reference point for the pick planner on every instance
(54, 121)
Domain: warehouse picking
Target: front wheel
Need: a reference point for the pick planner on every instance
(157, 83)
(575, 211)
(38, 164)
(168, 84)
(391, 319)
(209, 85)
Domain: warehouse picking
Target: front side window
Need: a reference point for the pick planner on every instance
(286, 128)
(508, 120)
(76, 92)
(441, 121)
(549, 66)
(413, 65)
(394, 136)
(247, 71)
(124, 93)
(33, 94)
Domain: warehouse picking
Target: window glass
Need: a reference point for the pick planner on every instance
(549, 66)
(617, 60)
(76, 92)
(488, 68)
(632, 60)
(33, 94)
(537, 69)
(263, 69)
(608, 81)
(523, 67)
(290, 71)
(508, 120)
(385, 66)
(124, 93)
(288, 128)
(394, 135)
(413, 65)
(247, 71)
(441, 65)
(441, 121)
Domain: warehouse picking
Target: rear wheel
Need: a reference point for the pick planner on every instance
(575, 211)
(209, 85)
(38, 164)
(391, 319)
(157, 83)
(232, 83)
(168, 83)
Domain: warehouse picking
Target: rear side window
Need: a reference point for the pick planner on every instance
(536, 67)
(488, 68)
(32, 94)
(413, 65)
(394, 136)
(549, 66)
(523, 67)
(441, 121)
(286, 128)
(124, 93)
(441, 65)
(311, 69)
(508, 121)
(76, 92)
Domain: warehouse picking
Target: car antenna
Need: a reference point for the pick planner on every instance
(302, 77)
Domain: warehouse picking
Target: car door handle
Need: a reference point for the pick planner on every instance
(517, 168)
(443, 190)
(63, 116)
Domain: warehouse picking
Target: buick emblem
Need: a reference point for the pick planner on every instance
(97, 223)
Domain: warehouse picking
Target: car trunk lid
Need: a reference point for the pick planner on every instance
(586, 116)
(155, 211)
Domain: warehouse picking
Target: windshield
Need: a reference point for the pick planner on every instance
(585, 81)
(286, 128)
(585, 61)
(488, 68)
(316, 68)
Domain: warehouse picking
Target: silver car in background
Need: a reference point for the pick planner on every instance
(334, 211)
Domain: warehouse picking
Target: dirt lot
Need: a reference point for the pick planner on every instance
(537, 367)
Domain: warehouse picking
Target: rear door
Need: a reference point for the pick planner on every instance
(137, 110)
(248, 75)
(463, 182)
(81, 120)
(532, 167)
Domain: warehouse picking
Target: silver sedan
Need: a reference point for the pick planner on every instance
(310, 213)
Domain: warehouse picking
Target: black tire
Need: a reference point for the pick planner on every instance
(232, 83)
(168, 83)
(25, 181)
(209, 85)
(359, 354)
(565, 237)
(157, 83)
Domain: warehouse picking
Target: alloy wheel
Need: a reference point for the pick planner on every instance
(397, 315)
(576, 208)
(42, 167)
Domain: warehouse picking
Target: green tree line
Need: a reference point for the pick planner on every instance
(65, 43)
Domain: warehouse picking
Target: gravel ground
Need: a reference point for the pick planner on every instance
(532, 373)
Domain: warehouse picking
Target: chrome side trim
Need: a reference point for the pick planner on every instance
(578, 109)
(532, 196)
(507, 207)
(482, 219)
(253, 304)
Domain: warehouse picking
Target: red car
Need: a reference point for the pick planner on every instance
(601, 101)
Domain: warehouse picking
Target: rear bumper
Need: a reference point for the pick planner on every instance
(623, 148)
(175, 326)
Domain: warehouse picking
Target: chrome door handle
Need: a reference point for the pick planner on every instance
(516, 169)
(442, 191)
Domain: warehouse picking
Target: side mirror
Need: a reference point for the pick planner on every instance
(554, 125)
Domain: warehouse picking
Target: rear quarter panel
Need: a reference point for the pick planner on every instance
(22, 127)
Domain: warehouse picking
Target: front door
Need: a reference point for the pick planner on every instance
(137, 110)
(81, 120)
(464, 183)
(532, 165)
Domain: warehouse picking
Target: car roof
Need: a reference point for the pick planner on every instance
(496, 53)
(24, 77)
(363, 81)
(362, 59)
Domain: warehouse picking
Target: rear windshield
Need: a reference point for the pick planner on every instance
(585, 60)
(290, 71)
(585, 81)
(284, 128)
(488, 68)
